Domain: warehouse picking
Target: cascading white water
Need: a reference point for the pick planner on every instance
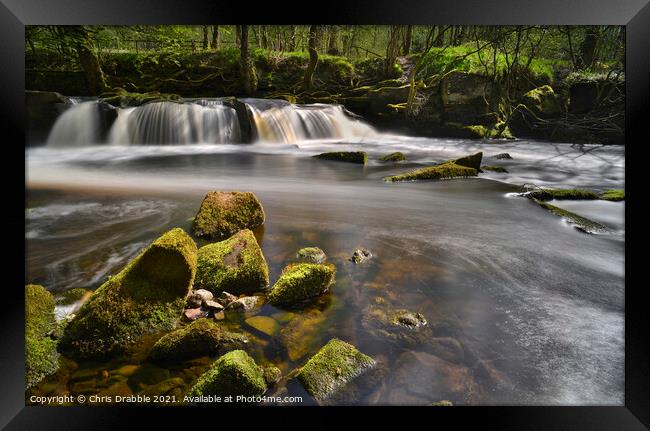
(77, 126)
(286, 123)
(176, 123)
(204, 121)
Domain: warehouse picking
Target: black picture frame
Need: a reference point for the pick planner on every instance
(634, 14)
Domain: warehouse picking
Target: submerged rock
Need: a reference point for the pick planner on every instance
(499, 169)
(147, 295)
(223, 214)
(471, 161)
(393, 157)
(504, 156)
(235, 265)
(360, 255)
(302, 281)
(311, 254)
(202, 337)
(299, 335)
(264, 324)
(442, 171)
(407, 328)
(613, 195)
(334, 366)
(359, 157)
(234, 373)
(581, 223)
(41, 357)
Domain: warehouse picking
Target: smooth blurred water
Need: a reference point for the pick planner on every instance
(539, 302)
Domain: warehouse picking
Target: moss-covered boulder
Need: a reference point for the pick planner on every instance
(71, 296)
(613, 195)
(223, 214)
(146, 296)
(406, 328)
(302, 281)
(234, 373)
(359, 157)
(235, 265)
(447, 170)
(542, 101)
(393, 157)
(562, 194)
(471, 161)
(332, 368)
(311, 254)
(201, 337)
(41, 357)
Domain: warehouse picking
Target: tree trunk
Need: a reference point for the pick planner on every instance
(265, 37)
(408, 37)
(392, 49)
(246, 69)
(89, 62)
(292, 39)
(205, 38)
(588, 47)
(238, 35)
(332, 47)
(215, 37)
(313, 56)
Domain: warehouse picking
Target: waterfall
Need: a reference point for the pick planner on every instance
(79, 125)
(202, 121)
(160, 123)
(278, 121)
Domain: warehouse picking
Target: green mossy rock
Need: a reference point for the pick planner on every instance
(613, 195)
(562, 194)
(301, 281)
(223, 214)
(234, 373)
(442, 171)
(201, 337)
(359, 157)
(146, 296)
(498, 169)
(41, 357)
(333, 367)
(393, 157)
(272, 375)
(542, 101)
(311, 254)
(471, 161)
(235, 265)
